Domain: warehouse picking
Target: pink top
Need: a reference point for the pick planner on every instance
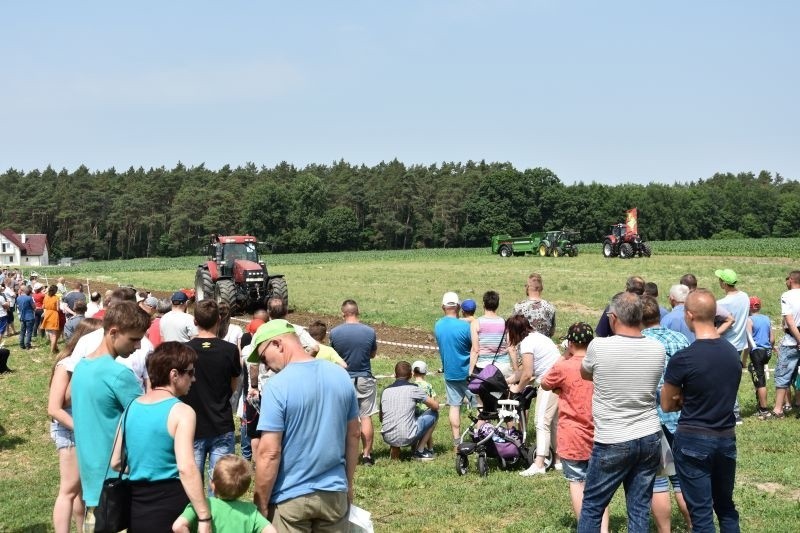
(575, 424)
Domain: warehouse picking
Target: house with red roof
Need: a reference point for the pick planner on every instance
(23, 249)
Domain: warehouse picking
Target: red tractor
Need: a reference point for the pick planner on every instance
(625, 240)
(234, 275)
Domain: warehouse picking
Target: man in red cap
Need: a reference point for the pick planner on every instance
(761, 341)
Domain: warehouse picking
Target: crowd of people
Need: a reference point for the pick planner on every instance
(144, 386)
(645, 379)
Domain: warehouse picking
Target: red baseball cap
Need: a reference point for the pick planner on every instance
(755, 302)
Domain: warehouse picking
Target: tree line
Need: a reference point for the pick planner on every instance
(107, 214)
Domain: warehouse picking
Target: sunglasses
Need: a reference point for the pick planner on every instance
(189, 371)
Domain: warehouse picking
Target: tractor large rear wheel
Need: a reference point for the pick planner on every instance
(277, 287)
(225, 292)
(543, 250)
(646, 250)
(608, 249)
(625, 250)
(203, 285)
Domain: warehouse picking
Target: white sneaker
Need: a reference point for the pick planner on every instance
(532, 471)
(559, 466)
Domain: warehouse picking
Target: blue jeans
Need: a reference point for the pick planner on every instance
(25, 333)
(425, 421)
(244, 440)
(633, 464)
(706, 466)
(214, 448)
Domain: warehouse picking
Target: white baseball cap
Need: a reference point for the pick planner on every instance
(420, 366)
(450, 299)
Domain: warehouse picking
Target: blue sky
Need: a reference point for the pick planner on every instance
(626, 91)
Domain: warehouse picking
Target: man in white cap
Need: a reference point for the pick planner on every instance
(455, 342)
(306, 458)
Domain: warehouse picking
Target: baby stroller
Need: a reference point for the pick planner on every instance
(499, 429)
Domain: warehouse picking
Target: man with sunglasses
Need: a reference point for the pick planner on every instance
(217, 373)
(307, 454)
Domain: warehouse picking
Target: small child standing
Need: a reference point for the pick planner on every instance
(468, 308)
(229, 481)
(420, 371)
(575, 423)
(761, 340)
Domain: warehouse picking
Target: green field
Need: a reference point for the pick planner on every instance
(404, 289)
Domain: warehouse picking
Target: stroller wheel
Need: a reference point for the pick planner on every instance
(527, 456)
(483, 466)
(462, 464)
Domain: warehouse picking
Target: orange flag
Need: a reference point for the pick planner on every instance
(631, 223)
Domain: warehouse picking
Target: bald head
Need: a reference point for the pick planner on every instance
(702, 305)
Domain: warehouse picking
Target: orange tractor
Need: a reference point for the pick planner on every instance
(233, 274)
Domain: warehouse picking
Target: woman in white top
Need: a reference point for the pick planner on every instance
(538, 354)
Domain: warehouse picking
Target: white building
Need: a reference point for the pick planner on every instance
(23, 250)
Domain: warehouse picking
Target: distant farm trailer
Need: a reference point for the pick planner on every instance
(548, 243)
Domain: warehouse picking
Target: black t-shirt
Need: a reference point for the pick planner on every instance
(709, 372)
(217, 364)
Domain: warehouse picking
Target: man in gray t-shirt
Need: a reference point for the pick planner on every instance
(625, 369)
(177, 325)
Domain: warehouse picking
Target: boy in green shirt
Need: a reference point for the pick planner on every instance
(230, 480)
(420, 370)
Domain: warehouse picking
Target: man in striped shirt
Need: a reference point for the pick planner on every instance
(625, 369)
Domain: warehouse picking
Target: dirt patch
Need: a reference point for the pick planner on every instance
(780, 490)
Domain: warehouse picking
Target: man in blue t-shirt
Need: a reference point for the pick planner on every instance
(310, 431)
(357, 344)
(702, 381)
(455, 342)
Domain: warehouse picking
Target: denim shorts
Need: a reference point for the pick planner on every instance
(662, 484)
(575, 470)
(425, 421)
(457, 391)
(787, 361)
(62, 436)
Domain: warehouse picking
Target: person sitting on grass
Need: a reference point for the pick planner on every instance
(230, 480)
(400, 424)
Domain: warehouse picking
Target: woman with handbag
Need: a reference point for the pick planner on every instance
(158, 437)
(538, 353)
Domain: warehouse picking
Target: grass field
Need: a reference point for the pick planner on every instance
(404, 289)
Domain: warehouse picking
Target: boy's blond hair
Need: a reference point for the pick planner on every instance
(231, 477)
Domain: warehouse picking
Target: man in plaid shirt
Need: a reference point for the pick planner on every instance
(672, 341)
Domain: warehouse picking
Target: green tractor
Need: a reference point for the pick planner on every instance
(545, 243)
(559, 243)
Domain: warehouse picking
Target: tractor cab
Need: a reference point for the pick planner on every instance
(229, 253)
(618, 231)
